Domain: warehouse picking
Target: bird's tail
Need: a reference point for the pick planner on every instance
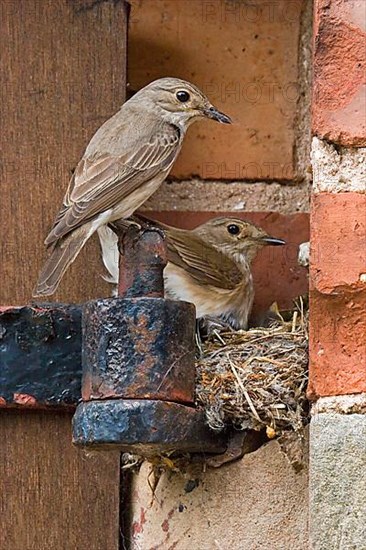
(62, 255)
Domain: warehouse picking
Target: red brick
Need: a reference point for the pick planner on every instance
(337, 344)
(338, 241)
(339, 93)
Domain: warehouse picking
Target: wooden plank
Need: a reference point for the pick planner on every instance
(63, 74)
(53, 496)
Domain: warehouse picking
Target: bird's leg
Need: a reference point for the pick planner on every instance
(207, 327)
(121, 225)
(198, 339)
(121, 228)
(210, 326)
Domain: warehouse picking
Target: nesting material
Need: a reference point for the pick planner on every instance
(256, 379)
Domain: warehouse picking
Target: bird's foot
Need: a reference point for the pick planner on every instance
(209, 326)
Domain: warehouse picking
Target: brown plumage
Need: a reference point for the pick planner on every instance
(209, 266)
(123, 165)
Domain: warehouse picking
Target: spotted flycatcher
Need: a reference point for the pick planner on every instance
(209, 266)
(123, 165)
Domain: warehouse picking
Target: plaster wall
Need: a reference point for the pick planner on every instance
(256, 503)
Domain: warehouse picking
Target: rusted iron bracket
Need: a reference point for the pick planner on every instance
(40, 356)
(138, 362)
(145, 427)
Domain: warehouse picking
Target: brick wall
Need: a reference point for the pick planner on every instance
(337, 277)
(338, 213)
(253, 61)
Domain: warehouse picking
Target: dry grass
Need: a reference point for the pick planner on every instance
(257, 379)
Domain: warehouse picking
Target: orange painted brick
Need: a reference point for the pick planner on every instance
(338, 242)
(339, 93)
(337, 344)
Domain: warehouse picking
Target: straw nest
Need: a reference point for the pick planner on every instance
(252, 380)
(256, 380)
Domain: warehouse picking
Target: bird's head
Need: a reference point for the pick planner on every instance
(179, 102)
(238, 239)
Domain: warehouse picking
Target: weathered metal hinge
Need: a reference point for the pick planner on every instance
(132, 355)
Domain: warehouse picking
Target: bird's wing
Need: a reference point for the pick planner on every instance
(200, 260)
(103, 182)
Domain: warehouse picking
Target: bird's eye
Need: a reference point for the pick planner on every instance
(233, 229)
(183, 96)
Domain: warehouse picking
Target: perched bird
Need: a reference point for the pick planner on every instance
(123, 165)
(209, 266)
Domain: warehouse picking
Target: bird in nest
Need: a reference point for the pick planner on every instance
(209, 266)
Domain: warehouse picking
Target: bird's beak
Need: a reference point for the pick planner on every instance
(272, 241)
(212, 112)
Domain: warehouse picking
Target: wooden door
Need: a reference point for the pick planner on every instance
(63, 73)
